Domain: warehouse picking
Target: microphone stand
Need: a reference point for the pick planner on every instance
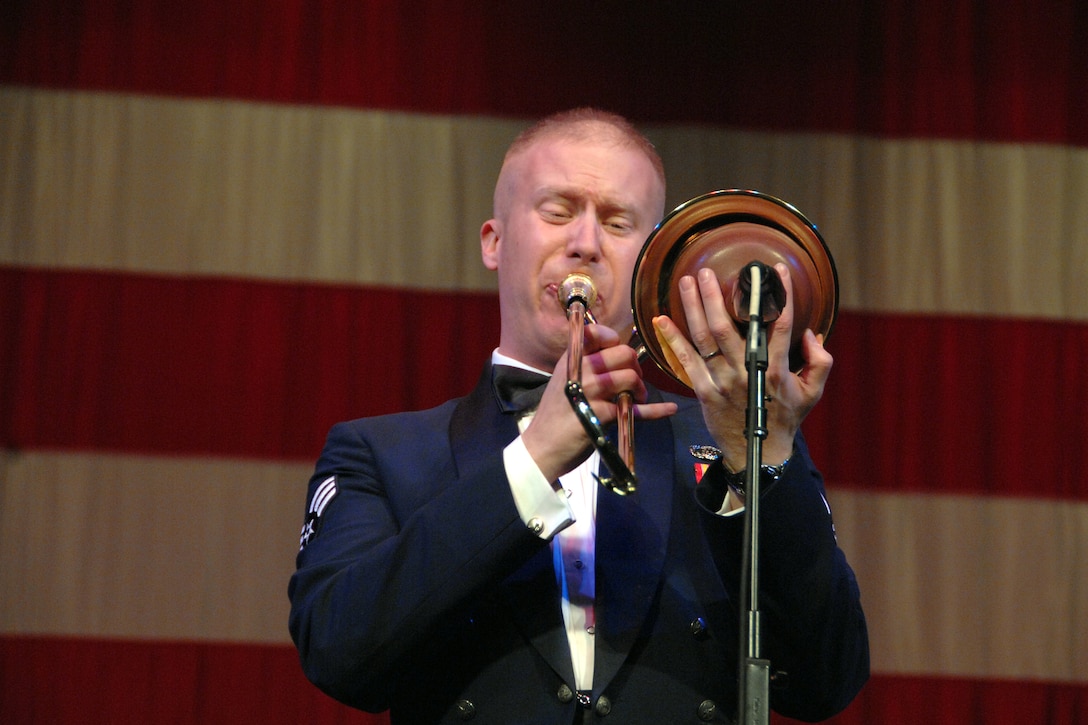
(754, 681)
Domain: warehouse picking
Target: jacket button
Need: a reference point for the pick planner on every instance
(699, 629)
(465, 709)
(603, 706)
(565, 694)
(707, 710)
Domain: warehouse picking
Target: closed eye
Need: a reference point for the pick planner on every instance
(619, 225)
(556, 213)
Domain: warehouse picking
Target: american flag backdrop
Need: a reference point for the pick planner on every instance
(225, 226)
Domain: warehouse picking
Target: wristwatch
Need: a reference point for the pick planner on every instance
(767, 475)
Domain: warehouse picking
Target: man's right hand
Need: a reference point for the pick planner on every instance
(555, 438)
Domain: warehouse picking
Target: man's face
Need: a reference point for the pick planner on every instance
(567, 206)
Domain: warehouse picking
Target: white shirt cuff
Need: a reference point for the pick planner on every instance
(731, 499)
(544, 510)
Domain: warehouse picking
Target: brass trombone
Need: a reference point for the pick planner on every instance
(724, 231)
(577, 295)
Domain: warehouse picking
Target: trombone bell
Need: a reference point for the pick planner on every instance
(724, 231)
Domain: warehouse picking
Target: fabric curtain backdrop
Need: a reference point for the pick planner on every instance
(226, 226)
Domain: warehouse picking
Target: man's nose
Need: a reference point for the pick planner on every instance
(585, 239)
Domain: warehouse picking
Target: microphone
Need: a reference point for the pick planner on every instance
(771, 298)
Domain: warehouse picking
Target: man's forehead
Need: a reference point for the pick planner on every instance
(565, 165)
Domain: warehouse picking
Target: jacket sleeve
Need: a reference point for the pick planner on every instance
(402, 539)
(813, 626)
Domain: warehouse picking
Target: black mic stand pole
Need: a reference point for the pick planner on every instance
(754, 699)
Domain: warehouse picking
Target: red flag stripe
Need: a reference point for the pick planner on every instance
(222, 367)
(51, 680)
(78, 680)
(1000, 71)
(243, 368)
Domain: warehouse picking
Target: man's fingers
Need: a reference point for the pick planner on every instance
(654, 411)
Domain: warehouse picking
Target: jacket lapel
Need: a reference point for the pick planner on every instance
(632, 536)
(478, 430)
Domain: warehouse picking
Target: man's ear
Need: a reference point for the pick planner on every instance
(489, 243)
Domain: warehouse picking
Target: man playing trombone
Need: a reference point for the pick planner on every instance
(463, 563)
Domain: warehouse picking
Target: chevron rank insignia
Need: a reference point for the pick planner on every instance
(323, 494)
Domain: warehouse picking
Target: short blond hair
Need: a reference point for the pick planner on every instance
(583, 124)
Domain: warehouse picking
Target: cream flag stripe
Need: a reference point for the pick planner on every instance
(229, 530)
(380, 198)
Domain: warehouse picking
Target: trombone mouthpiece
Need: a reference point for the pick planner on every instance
(577, 288)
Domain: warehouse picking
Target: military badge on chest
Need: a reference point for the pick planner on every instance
(704, 456)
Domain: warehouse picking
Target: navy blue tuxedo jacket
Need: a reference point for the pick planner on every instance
(420, 590)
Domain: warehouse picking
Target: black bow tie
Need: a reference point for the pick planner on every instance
(517, 389)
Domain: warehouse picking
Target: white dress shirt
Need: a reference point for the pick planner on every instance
(565, 515)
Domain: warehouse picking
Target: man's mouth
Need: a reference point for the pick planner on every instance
(553, 291)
